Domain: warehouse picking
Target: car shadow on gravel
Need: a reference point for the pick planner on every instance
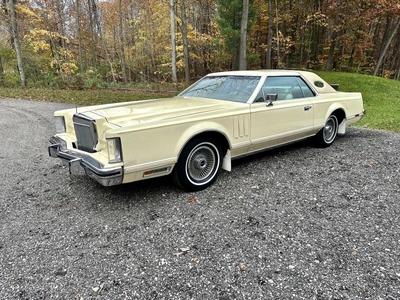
(270, 153)
(141, 195)
(303, 146)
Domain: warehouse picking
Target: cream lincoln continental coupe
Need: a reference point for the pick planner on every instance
(194, 135)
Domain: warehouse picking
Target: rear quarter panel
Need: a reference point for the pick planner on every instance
(325, 104)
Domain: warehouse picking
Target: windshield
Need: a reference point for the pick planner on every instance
(229, 88)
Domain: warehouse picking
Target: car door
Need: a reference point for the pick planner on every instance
(287, 119)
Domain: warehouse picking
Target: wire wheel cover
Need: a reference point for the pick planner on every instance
(330, 129)
(202, 163)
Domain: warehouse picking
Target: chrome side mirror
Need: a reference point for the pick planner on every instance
(270, 98)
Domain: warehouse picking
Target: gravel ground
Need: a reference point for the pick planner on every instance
(293, 223)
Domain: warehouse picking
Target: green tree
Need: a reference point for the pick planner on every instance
(15, 36)
(229, 23)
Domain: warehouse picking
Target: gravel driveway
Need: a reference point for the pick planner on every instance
(293, 223)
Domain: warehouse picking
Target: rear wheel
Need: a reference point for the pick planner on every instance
(198, 165)
(327, 135)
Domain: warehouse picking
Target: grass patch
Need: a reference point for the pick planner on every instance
(82, 97)
(381, 98)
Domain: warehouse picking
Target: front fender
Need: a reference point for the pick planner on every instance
(199, 129)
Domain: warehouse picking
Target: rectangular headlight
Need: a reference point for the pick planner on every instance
(114, 150)
(60, 124)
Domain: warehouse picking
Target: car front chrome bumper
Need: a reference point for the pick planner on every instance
(80, 164)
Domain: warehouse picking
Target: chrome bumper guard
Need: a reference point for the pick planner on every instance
(81, 164)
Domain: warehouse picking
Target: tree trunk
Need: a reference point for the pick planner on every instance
(93, 37)
(17, 46)
(386, 35)
(99, 30)
(1, 73)
(61, 23)
(243, 36)
(185, 42)
(278, 59)
(173, 40)
(301, 56)
(122, 46)
(396, 60)
(385, 48)
(331, 53)
(60, 27)
(269, 40)
(78, 21)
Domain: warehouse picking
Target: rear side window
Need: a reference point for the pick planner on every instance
(307, 92)
(286, 87)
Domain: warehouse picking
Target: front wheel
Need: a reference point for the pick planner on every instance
(198, 165)
(327, 135)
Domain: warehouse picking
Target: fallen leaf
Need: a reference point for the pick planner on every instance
(98, 289)
(192, 200)
(182, 251)
(60, 272)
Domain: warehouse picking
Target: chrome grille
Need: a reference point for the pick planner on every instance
(86, 133)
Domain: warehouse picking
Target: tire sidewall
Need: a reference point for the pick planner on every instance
(320, 138)
(182, 176)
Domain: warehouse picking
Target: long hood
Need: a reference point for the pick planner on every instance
(150, 111)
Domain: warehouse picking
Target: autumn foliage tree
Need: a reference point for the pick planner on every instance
(95, 43)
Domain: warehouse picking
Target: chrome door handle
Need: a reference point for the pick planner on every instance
(307, 108)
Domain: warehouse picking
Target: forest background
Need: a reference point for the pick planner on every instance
(120, 43)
